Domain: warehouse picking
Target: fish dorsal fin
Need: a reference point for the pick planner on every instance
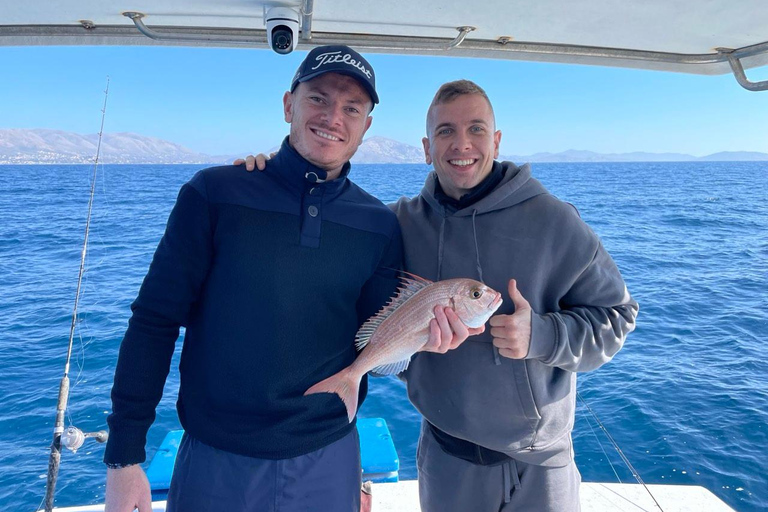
(408, 277)
(393, 368)
(410, 285)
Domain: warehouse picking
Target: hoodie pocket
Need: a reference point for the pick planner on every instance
(521, 378)
(525, 395)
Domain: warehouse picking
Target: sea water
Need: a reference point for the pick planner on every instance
(686, 400)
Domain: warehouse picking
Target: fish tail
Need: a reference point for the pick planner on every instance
(345, 384)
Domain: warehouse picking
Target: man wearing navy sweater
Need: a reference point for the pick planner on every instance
(271, 274)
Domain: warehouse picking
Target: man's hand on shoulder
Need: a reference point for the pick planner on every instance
(127, 489)
(254, 162)
(512, 333)
(447, 331)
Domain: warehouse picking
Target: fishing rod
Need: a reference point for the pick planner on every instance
(624, 458)
(73, 438)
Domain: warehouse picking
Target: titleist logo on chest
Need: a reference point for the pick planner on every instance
(334, 57)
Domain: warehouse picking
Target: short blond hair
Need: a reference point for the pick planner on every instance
(451, 90)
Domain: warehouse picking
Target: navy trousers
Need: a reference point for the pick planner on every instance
(209, 480)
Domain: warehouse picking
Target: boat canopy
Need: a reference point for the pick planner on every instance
(688, 36)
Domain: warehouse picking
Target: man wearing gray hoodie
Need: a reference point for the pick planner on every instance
(499, 409)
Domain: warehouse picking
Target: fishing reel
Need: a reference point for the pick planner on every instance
(73, 438)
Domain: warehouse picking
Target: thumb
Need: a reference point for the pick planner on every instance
(517, 298)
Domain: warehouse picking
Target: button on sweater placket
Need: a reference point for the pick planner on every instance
(310, 216)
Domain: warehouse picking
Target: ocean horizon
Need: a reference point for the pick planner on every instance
(686, 399)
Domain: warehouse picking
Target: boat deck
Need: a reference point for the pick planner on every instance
(595, 497)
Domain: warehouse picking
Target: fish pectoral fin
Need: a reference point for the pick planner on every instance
(392, 368)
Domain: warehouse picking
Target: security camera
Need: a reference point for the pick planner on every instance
(282, 28)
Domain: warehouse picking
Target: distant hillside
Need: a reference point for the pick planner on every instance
(373, 150)
(379, 150)
(733, 156)
(573, 155)
(42, 146)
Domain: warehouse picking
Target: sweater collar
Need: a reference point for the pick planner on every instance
(297, 172)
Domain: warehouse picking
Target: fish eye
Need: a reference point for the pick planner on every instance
(476, 293)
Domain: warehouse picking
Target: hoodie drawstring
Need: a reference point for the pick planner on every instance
(477, 249)
(440, 249)
(496, 356)
(511, 479)
(479, 267)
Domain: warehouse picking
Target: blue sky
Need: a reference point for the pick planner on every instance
(227, 101)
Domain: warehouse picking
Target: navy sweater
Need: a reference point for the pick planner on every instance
(271, 274)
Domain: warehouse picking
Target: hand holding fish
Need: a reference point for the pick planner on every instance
(447, 331)
(512, 333)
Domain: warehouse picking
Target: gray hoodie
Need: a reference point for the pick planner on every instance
(582, 313)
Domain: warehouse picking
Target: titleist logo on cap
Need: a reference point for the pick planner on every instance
(333, 57)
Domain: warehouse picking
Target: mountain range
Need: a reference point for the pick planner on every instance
(44, 146)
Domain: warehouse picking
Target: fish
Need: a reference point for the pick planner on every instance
(388, 339)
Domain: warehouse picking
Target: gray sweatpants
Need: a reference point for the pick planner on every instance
(451, 484)
(209, 480)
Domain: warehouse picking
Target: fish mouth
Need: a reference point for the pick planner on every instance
(496, 302)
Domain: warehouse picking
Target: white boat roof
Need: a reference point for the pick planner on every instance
(672, 35)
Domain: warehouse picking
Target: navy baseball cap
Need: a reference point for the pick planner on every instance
(337, 59)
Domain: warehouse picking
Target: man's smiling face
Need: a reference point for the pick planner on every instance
(328, 116)
(461, 143)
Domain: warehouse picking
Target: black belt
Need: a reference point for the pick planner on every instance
(467, 450)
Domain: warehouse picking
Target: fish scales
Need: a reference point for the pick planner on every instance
(389, 339)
